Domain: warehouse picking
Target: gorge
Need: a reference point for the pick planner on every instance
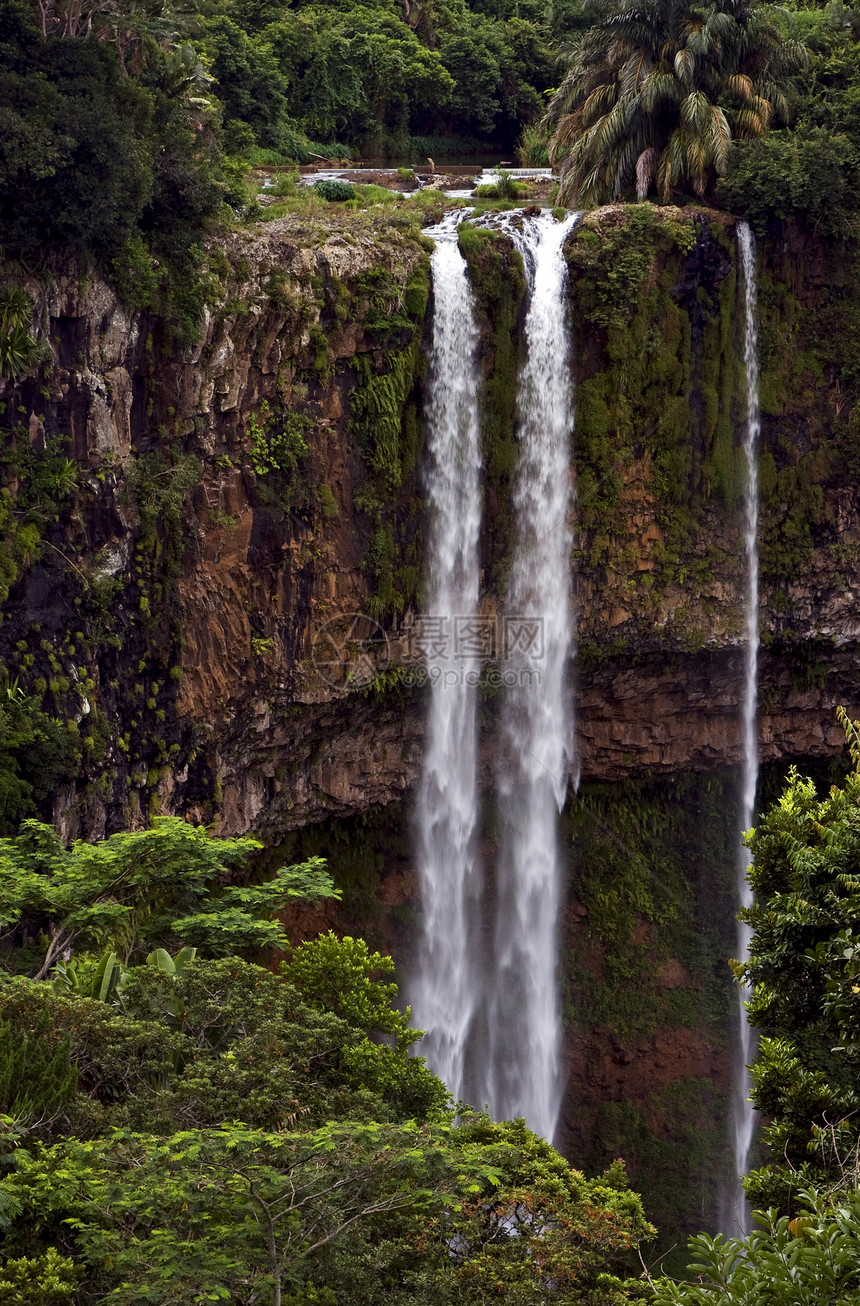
(181, 643)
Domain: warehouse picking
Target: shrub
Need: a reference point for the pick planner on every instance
(334, 191)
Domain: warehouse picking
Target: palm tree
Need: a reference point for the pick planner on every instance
(656, 90)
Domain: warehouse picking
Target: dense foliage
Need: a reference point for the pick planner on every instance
(125, 127)
(136, 890)
(805, 971)
(813, 1258)
(96, 158)
(195, 1128)
(809, 171)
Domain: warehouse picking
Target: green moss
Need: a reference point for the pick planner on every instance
(417, 292)
(377, 405)
(616, 265)
(653, 865)
(660, 390)
(385, 424)
(329, 510)
(810, 386)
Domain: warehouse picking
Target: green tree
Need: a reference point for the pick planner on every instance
(359, 74)
(406, 1213)
(656, 91)
(811, 173)
(804, 971)
(344, 977)
(811, 1259)
(224, 1039)
(48, 1280)
(142, 889)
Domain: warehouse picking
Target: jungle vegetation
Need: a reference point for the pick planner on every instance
(804, 975)
(196, 1123)
(192, 1108)
(128, 128)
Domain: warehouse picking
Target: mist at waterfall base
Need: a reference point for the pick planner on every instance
(735, 1215)
(492, 1014)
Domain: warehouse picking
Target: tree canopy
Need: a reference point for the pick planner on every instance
(804, 969)
(199, 1127)
(141, 889)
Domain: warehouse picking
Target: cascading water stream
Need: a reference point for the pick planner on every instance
(523, 1072)
(743, 1113)
(445, 990)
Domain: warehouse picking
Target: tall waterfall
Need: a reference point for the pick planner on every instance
(445, 990)
(523, 1075)
(744, 1116)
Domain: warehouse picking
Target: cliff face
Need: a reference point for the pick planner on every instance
(230, 506)
(230, 498)
(238, 500)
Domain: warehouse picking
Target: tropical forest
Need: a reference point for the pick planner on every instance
(429, 652)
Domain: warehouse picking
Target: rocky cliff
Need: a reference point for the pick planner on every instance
(226, 507)
(236, 499)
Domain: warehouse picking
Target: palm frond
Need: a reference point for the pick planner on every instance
(599, 102)
(660, 88)
(695, 112)
(720, 139)
(748, 123)
(634, 72)
(741, 85)
(684, 67)
(763, 108)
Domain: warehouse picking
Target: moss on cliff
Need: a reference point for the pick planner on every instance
(657, 366)
(809, 342)
(384, 404)
(650, 999)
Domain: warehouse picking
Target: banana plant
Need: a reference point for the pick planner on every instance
(174, 967)
(105, 984)
(110, 975)
(161, 959)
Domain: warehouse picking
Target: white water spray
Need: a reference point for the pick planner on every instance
(743, 1113)
(523, 1075)
(445, 991)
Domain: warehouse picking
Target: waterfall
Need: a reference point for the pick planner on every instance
(523, 1076)
(444, 993)
(744, 1115)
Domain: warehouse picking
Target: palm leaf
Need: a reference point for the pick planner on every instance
(684, 67)
(747, 123)
(695, 112)
(634, 73)
(739, 84)
(599, 102)
(720, 139)
(660, 88)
